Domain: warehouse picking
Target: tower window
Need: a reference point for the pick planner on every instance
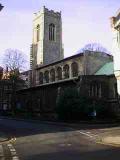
(38, 32)
(52, 32)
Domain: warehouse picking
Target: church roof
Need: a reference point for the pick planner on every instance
(107, 69)
(75, 56)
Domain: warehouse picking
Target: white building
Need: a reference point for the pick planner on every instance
(115, 24)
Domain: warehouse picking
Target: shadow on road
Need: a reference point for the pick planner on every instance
(24, 128)
(100, 154)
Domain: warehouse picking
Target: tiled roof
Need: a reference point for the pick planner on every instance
(107, 69)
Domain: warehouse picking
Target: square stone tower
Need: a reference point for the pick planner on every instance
(46, 45)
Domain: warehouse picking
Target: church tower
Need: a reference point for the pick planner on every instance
(46, 45)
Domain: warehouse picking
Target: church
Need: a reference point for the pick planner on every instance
(90, 71)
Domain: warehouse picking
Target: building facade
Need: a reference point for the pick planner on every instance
(115, 24)
(87, 63)
(40, 101)
(5, 95)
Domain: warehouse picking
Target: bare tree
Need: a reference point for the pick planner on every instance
(94, 47)
(14, 60)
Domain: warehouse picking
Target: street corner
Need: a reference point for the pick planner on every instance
(110, 140)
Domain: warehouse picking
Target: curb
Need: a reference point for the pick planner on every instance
(4, 140)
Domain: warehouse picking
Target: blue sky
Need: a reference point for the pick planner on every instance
(84, 21)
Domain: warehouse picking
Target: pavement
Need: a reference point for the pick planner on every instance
(109, 136)
(3, 138)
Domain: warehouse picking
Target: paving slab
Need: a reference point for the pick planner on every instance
(110, 136)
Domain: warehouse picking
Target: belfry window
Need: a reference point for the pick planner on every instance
(52, 32)
(38, 32)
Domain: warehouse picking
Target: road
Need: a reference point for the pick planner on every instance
(40, 141)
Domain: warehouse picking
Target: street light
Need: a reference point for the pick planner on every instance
(1, 7)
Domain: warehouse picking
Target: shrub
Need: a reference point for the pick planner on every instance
(71, 106)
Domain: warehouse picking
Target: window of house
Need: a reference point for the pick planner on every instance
(38, 32)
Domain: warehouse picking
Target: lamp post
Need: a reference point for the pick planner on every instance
(1, 7)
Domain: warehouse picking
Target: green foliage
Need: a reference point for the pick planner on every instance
(105, 111)
(71, 106)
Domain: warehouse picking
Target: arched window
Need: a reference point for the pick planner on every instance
(74, 68)
(40, 78)
(52, 32)
(59, 73)
(66, 71)
(38, 32)
(52, 75)
(46, 76)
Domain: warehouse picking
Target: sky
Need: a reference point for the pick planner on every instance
(83, 22)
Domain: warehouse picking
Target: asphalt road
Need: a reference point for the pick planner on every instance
(52, 142)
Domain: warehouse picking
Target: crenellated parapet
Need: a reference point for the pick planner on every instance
(48, 12)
